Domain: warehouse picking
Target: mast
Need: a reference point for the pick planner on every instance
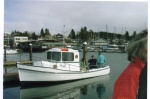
(8, 39)
(114, 36)
(107, 33)
(63, 36)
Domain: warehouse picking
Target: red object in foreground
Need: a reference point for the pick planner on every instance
(126, 85)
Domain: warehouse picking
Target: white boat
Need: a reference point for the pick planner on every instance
(90, 49)
(112, 48)
(11, 51)
(68, 46)
(62, 64)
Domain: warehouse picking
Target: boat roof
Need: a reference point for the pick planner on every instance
(62, 50)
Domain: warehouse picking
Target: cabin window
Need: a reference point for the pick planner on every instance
(67, 56)
(49, 55)
(54, 56)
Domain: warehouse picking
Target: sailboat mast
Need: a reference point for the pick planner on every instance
(8, 40)
(107, 33)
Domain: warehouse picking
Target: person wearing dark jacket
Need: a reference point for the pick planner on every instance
(142, 91)
(92, 62)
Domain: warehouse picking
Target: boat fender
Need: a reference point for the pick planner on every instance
(54, 66)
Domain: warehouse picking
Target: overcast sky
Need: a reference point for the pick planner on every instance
(32, 16)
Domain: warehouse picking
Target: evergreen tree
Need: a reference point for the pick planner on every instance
(127, 37)
(47, 32)
(42, 32)
(34, 36)
(77, 35)
(119, 36)
(85, 34)
(72, 34)
(134, 34)
(25, 33)
(81, 34)
(12, 34)
(91, 34)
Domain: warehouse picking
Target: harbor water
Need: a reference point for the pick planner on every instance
(94, 88)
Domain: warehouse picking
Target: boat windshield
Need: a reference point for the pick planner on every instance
(67, 56)
(54, 56)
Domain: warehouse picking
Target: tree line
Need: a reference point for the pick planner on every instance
(83, 34)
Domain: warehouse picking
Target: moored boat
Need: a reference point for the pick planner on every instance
(112, 48)
(11, 51)
(62, 64)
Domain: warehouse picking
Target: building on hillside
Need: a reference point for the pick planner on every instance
(59, 37)
(18, 39)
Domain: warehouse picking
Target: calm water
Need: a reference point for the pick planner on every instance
(94, 88)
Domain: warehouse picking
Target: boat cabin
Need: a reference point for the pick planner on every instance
(63, 55)
(61, 58)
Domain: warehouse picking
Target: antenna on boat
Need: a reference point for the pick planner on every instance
(64, 35)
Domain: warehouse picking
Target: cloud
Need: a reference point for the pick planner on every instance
(35, 15)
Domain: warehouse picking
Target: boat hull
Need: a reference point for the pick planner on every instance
(37, 74)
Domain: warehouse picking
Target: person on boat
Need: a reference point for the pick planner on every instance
(101, 60)
(92, 61)
(83, 64)
(126, 86)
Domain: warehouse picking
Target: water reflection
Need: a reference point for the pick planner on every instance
(100, 90)
(84, 89)
(72, 90)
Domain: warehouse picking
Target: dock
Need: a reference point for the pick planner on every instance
(14, 63)
(12, 78)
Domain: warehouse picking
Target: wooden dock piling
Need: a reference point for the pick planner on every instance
(30, 52)
(5, 53)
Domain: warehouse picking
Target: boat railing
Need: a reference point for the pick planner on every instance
(65, 64)
(97, 66)
(71, 64)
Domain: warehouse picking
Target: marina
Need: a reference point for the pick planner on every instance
(42, 68)
(18, 92)
(72, 50)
